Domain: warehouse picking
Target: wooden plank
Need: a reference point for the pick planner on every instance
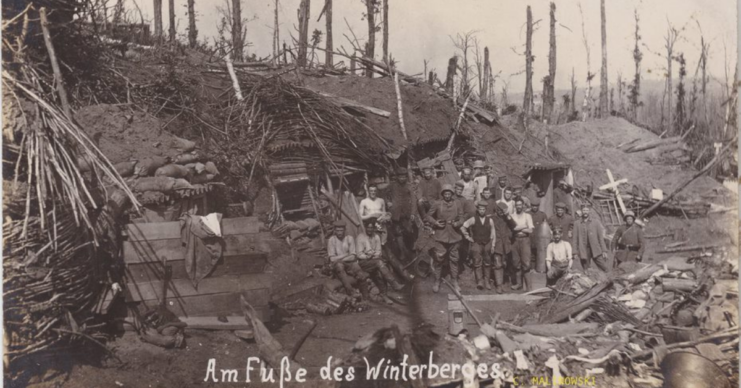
(172, 249)
(169, 230)
(497, 298)
(259, 283)
(228, 265)
(213, 323)
(345, 102)
(226, 304)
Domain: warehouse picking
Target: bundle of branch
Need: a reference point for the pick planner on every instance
(279, 121)
(60, 224)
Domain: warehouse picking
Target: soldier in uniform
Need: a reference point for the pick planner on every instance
(480, 232)
(628, 241)
(446, 217)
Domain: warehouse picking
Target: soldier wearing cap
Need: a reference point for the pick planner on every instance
(342, 258)
(539, 231)
(480, 231)
(517, 194)
(481, 181)
(469, 185)
(558, 258)
(504, 224)
(468, 206)
(628, 241)
(403, 206)
(562, 194)
(445, 216)
(589, 242)
(563, 221)
(428, 190)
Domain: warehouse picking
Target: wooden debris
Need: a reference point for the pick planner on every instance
(578, 304)
(347, 103)
(691, 248)
(270, 350)
(686, 285)
(213, 323)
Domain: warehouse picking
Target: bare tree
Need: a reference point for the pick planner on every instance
(303, 31)
(158, 19)
(192, 31)
(672, 36)
(587, 105)
(237, 43)
(702, 67)
(329, 46)
(464, 43)
(527, 103)
(276, 36)
(573, 92)
(620, 92)
(385, 31)
(549, 95)
(450, 76)
(371, 7)
(486, 81)
(681, 112)
(603, 73)
(505, 97)
(171, 12)
(635, 87)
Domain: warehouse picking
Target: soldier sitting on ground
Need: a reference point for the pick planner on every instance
(370, 256)
(343, 260)
(559, 257)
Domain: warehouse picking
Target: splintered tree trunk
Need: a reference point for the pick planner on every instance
(385, 31)
(171, 13)
(487, 73)
(603, 74)
(669, 94)
(328, 60)
(548, 105)
(192, 31)
(370, 49)
(450, 76)
(157, 19)
(431, 78)
(303, 30)
(237, 44)
(527, 103)
(276, 38)
(573, 92)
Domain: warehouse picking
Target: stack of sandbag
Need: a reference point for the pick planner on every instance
(165, 174)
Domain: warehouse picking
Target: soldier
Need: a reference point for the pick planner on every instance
(498, 191)
(521, 253)
(508, 201)
(403, 208)
(589, 243)
(342, 258)
(469, 185)
(445, 217)
(428, 190)
(479, 230)
(540, 237)
(503, 223)
(627, 244)
(370, 256)
(480, 179)
(562, 221)
(559, 257)
(517, 193)
(562, 194)
(467, 206)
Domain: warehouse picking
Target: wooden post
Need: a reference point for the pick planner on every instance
(276, 36)
(54, 63)
(527, 103)
(486, 79)
(450, 76)
(573, 93)
(399, 106)
(233, 76)
(303, 31)
(603, 102)
(328, 60)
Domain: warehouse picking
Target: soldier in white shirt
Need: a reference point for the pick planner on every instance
(480, 179)
(521, 252)
(559, 257)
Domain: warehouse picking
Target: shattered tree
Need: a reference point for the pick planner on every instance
(549, 96)
(604, 81)
(158, 19)
(237, 44)
(527, 103)
(192, 30)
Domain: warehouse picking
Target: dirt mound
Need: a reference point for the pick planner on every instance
(123, 134)
(592, 149)
(427, 115)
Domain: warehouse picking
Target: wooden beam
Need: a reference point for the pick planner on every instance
(345, 102)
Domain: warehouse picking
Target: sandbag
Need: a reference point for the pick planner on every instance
(173, 171)
(183, 144)
(181, 184)
(125, 169)
(161, 183)
(196, 168)
(190, 157)
(210, 168)
(201, 178)
(148, 166)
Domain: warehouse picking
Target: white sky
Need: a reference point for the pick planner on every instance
(421, 29)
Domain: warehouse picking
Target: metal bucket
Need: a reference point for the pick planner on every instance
(690, 370)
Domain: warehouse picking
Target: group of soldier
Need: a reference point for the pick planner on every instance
(495, 229)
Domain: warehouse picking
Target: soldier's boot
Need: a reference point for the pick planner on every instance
(454, 277)
(526, 280)
(478, 277)
(499, 280)
(487, 272)
(518, 280)
(390, 279)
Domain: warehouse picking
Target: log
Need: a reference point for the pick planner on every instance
(233, 76)
(54, 63)
(685, 285)
(654, 144)
(344, 102)
(270, 350)
(641, 275)
(691, 248)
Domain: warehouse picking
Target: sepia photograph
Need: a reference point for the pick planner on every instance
(370, 193)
